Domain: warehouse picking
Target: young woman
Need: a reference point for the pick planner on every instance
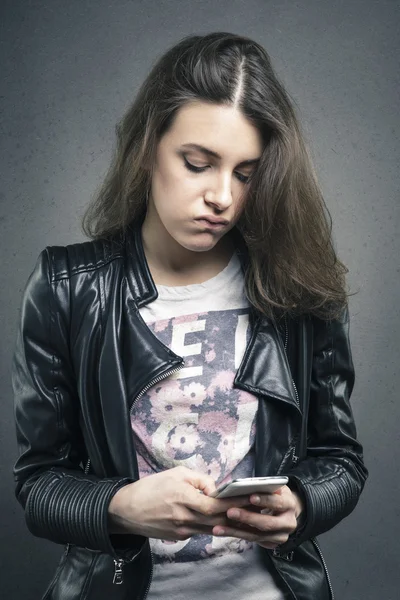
(200, 337)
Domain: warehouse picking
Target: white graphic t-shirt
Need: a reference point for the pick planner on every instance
(196, 418)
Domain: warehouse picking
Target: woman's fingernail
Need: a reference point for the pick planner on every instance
(234, 513)
(220, 532)
(256, 499)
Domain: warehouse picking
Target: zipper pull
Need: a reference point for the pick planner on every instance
(118, 576)
(284, 555)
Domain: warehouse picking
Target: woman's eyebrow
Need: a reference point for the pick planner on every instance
(214, 154)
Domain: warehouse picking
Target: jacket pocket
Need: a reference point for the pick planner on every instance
(72, 575)
(85, 574)
(303, 572)
(53, 582)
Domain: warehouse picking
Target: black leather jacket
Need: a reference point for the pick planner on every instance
(82, 357)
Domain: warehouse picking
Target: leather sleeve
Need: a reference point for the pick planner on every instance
(61, 503)
(332, 476)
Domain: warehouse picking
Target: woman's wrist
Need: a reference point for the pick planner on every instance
(116, 510)
(300, 510)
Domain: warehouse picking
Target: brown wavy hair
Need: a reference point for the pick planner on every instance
(293, 267)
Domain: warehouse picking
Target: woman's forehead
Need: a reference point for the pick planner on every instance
(215, 130)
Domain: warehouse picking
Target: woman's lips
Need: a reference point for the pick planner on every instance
(210, 225)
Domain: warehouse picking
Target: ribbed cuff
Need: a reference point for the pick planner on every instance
(327, 502)
(67, 508)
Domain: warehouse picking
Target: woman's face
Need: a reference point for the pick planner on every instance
(190, 184)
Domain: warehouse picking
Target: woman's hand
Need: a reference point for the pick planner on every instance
(169, 506)
(269, 526)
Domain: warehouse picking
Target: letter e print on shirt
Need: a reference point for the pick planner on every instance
(179, 331)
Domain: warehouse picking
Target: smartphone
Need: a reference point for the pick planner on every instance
(250, 485)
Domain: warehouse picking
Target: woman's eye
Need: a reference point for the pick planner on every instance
(194, 169)
(243, 178)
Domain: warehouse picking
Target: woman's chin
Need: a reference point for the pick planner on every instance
(201, 243)
(201, 247)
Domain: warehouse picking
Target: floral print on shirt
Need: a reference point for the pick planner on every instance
(196, 417)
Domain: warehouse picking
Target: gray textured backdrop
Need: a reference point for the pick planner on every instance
(69, 69)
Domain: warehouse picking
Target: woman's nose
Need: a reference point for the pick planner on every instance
(221, 196)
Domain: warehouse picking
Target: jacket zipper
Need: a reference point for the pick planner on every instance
(156, 380)
(119, 563)
(285, 346)
(295, 458)
(118, 576)
(286, 334)
(314, 541)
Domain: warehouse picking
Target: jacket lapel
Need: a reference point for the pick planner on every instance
(264, 369)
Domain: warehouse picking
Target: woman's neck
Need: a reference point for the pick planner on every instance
(179, 266)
